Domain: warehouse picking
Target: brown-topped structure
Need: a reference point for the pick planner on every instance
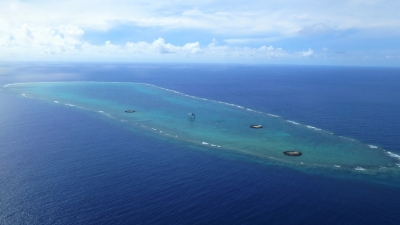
(292, 153)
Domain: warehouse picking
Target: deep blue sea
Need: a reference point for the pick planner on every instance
(63, 165)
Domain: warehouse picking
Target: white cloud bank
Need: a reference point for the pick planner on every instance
(66, 42)
(54, 30)
(285, 17)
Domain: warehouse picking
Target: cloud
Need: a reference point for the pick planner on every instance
(66, 42)
(212, 50)
(286, 17)
(249, 40)
(307, 53)
(160, 47)
(318, 29)
(40, 29)
(41, 40)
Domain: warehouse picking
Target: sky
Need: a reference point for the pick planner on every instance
(305, 32)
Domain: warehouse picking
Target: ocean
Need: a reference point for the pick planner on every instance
(65, 165)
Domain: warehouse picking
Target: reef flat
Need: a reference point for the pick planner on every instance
(165, 112)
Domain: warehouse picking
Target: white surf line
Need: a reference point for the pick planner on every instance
(372, 146)
(314, 128)
(154, 129)
(200, 98)
(15, 84)
(308, 126)
(391, 154)
(71, 105)
(293, 122)
(80, 107)
(337, 166)
(102, 112)
(213, 145)
(347, 138)
(358, 168)
(152, 85)
(45, 82)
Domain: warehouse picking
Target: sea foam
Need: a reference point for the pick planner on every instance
(393, 155)
(293, 122)
(360, 168)
(311, 127)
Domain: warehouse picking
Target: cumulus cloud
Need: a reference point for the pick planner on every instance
(39, 40)
(160, 47)
(65, 42)
(307, 53)
(212, 50)
(39, 29)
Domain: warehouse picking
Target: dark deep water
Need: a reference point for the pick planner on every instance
(60, 165)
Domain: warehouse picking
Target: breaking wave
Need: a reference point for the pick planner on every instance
(391, 154)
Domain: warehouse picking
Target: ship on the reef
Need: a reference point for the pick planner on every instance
(191, 116)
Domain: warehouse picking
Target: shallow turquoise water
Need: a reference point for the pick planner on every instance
(218, 125)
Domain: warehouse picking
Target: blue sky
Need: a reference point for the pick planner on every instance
(351, 32)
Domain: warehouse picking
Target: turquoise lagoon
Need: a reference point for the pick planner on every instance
(219, 126)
